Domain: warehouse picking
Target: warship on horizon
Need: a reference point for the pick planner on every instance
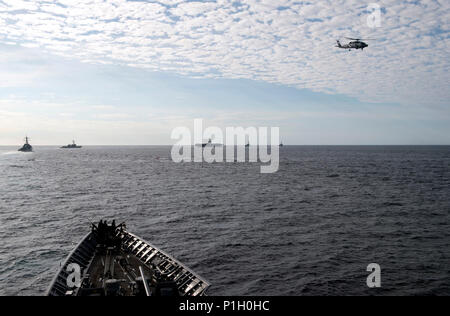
(72, 146)
(26, 148)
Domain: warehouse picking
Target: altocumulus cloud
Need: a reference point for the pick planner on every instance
(278, 41)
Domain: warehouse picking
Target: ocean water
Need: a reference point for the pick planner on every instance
(310, 229)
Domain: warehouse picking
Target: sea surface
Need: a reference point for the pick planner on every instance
(310, 229)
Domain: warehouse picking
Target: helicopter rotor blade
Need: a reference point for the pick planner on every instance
(361, 39)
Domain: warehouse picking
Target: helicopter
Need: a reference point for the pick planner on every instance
(356, 43)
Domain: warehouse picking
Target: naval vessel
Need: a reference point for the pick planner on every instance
(71, 146)
(114, 262)
(26, 148)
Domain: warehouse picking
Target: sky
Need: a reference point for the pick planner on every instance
(120, 72)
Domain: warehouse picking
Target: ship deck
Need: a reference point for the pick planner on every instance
(120, 266)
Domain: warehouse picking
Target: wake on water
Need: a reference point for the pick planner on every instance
(11, 158)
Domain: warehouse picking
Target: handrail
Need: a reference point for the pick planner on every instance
(147, 289)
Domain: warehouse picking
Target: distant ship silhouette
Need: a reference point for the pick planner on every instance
(27, 148)
(209, 143)
(71, 146)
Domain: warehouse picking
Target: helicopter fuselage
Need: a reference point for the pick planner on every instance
(353, 45)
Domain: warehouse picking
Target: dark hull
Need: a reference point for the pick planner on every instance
(26, 149)
(139, 254)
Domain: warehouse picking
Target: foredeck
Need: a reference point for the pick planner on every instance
(188, 282)
(123, 267)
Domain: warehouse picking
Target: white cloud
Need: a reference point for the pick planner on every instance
(280, 41)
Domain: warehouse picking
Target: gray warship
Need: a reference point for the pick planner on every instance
(72, 146)
(26, 148)
(114, 262)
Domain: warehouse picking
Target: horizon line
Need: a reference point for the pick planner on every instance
(284, 145)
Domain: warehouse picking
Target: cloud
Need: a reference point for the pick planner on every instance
(278, 41)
